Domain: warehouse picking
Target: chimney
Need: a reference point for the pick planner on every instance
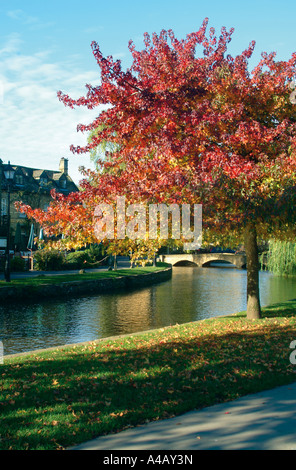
(64, 166)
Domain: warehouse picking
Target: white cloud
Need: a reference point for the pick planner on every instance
(36, 129)
(21, 16)
(32, 22)
(12, 44)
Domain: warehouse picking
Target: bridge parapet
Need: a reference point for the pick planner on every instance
(202, 259)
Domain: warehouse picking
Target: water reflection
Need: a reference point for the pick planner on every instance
(192, 294)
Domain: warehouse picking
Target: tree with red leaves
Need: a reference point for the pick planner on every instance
(189, 123)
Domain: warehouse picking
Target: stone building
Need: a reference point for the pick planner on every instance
(31, 186)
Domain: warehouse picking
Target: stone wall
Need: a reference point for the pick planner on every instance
(82, 287)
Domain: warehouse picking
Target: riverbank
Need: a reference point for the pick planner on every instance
(64, 396)
(85, 283)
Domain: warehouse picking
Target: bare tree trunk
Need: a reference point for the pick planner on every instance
(253, 300)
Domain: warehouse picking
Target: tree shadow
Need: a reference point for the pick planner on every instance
(75, 394)
(280, 309)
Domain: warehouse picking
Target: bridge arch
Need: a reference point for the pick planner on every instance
(185, 263)
(222, 263)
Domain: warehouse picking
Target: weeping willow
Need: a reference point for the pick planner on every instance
(281, 257)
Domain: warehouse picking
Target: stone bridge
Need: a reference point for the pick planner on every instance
(204, 259)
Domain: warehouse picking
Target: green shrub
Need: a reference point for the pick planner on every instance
(71, 265)
(48, 260)
(96, 252)
(54, 260)
(77, 259)
(85, 258)
(17, 264)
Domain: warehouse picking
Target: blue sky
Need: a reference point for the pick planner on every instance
(45, 47)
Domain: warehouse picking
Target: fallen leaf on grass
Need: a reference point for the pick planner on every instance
(115, 415)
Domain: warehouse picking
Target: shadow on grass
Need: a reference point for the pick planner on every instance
(58, 399)
(280, 309)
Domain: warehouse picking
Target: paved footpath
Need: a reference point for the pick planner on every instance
(123, 262)
(263, 421)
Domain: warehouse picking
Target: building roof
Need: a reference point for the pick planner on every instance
(34, 179)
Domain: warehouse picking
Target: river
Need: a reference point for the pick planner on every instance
(192, 294)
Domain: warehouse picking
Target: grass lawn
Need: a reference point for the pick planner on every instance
(62, 397)
(87, 276)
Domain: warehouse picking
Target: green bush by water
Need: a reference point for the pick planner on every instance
(55, 260)
(281, 258)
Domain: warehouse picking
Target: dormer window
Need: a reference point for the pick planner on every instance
(19, 179)
(63, 183)
(43, 181)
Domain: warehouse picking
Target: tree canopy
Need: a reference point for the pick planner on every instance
(189, 123)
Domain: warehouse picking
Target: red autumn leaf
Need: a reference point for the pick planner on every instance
(184, 128)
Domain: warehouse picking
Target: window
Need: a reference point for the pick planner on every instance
(63, 183)
(22, 215)
(43, 181)
(3, 206)
(19, 179)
